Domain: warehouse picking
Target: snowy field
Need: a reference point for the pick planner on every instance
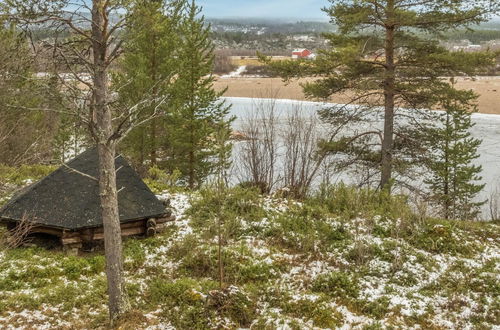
(487, 128)
(334, 273)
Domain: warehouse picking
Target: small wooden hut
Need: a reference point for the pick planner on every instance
(65, 204)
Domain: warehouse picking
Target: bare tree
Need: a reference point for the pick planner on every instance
(303, 157)
(18, 235)
(257, 155)
(292, 148)
(94, 44)
(494, 204)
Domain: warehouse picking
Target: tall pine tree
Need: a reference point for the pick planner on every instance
(199, 115)
(149, 67)
(454, 183)
(386, 54)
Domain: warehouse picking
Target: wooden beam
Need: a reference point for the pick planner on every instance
(46, 230)
(100, 236)
(165, 219)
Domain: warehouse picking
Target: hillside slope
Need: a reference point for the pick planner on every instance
(323, 263)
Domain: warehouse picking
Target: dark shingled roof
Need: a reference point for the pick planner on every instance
(65, 199)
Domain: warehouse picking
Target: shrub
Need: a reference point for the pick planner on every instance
(441, 237)
(321, 314)
(197, 302)
(233, 303)
(259, 70)
(185, 297)
(19, 175)
(135, 254)
(305, 234)
(360, 253)
(222, 63)
(377, 308)
(184, 247)
(239, 265)
(337, 284)
(351, 202)
(239, 205)
(176, 292)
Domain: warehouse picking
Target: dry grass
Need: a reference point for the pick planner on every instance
(253, 60)
(246, 61)
(488, 89)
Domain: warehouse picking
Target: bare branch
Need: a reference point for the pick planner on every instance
(80, 173)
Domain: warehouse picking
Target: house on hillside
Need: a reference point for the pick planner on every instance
(303, 53)
(65, 205)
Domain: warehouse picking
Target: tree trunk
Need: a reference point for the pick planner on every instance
(191, 181)
(446, 190)
(112, 230)
(191, 165)
(154, 79)
(154, 156)
(106, 146)
(389, 96)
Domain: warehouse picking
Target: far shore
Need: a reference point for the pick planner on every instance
(488, 89)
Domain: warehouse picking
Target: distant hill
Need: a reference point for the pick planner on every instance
(284, 26)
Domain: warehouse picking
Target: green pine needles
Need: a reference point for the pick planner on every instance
(169, 57)
(199, 117)
(386, 55)
(455, 179)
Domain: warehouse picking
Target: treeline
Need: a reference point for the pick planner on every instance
(272, 26)
(265, 42)
(474, 36)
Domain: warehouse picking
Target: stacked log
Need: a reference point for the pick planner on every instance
(74, 239)
(151, 227)
(128, 229)
(148, 227)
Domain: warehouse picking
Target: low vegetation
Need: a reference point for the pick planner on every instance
(13, 178)
(342, 257)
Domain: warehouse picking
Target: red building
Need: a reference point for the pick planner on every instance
(301, 53)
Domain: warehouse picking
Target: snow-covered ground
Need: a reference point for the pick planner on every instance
(403, 283)
(237, 73)
(487, 128)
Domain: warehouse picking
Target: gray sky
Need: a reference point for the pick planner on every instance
(264, 8)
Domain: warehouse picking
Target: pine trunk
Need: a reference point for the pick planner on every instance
(446, 191)
(389, 96)
(107, 173)
(154, 79)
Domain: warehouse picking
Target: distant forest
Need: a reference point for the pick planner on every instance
(475, 36)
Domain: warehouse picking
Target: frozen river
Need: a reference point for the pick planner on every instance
(487, 128)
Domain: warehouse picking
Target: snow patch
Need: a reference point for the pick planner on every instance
(235, 74)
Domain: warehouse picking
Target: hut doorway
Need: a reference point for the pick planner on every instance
(44, 240)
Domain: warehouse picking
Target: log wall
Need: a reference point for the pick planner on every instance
(148, 227)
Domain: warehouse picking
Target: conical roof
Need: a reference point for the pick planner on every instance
(69, 200)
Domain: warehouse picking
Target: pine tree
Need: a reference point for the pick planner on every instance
(386, 54)
(455, 178)
(199, 113)
(149, 67)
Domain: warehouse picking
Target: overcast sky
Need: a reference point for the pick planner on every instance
(264, 8)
